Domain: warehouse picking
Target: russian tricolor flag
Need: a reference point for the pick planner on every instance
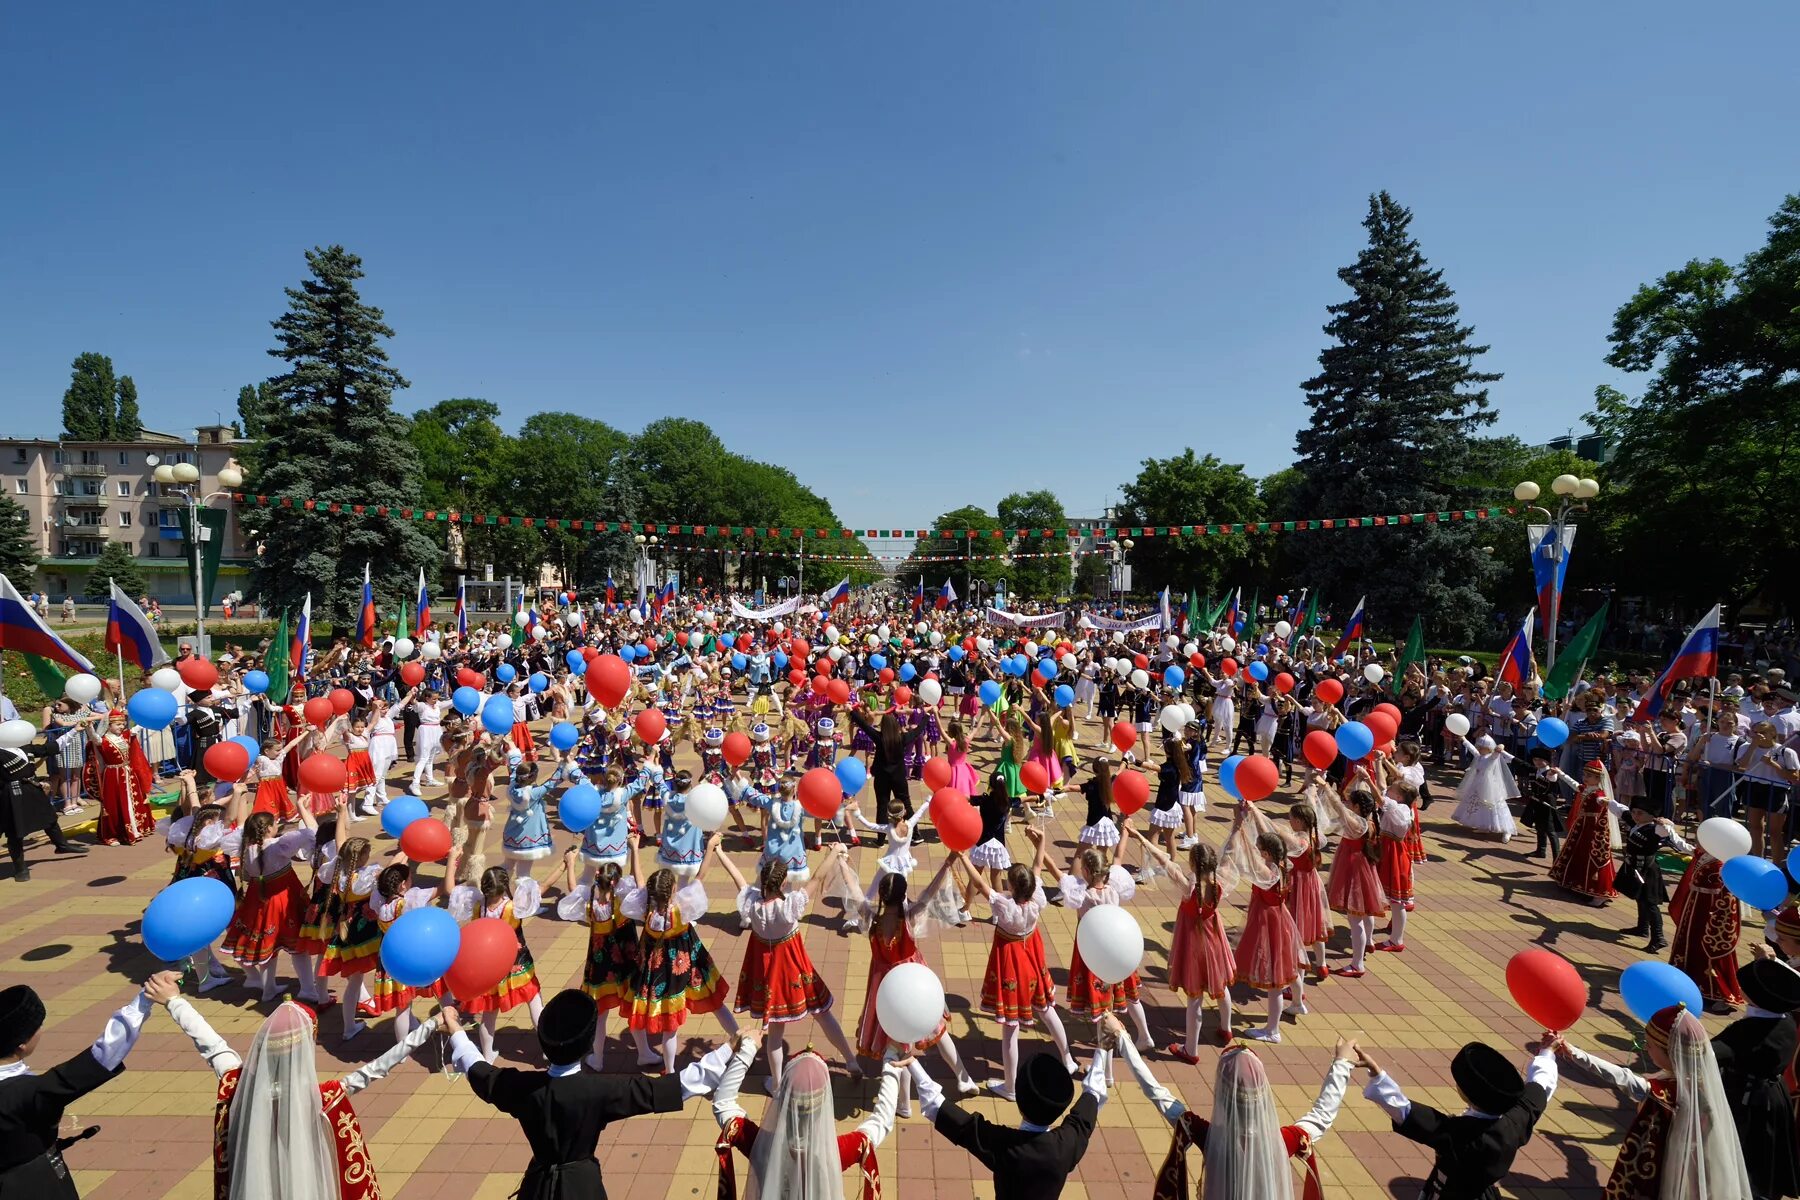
(21, 630)
(837, 595)
(918, 598)
(609, 593)
(946, 596)
(365, 616)
(1515, 661)
(1550, 565)
(1698, 658)
(422, 611)
(130, 635)
(462, 610)
(664, 594)
(1353, 631)
(300, 647)
(1231, 610)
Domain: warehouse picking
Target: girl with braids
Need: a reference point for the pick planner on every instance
(784, 839)
(612, 950)
(1016, 986)
(272, 794)
(1172, 779)
(359, 768)
(1089, 883)
(1396, 818)
(675, 975)
(393, 896)
(270, 900)
(478, 805)
(315, 923)
(1268, 949)
(355, 943)
(196, 842)
(1099, 830)
(1306, 898)
(1201, 963)
(779, 984)
(1354, 887)
(498, 897)
(1015, 747)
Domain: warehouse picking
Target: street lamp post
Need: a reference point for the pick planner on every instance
(646, 546)
(186, 475)
(1121, 570)
(1574, 494)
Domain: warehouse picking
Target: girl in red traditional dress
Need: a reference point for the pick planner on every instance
(779, 984)
(1200, 958)
(1306, 898)
(1396, 818)
(1354, 888)
(521, 730)
(125, 782)
(271, 902)
(358, 767)
(496, 896)
(315, 920)
(1683, 1144)
(1585, 865)
(1016, 985)
(1268, 949)
(264, 1144)
(613, 950)
(1707, 924)
(354, 947)
(675, 974)
(1089, 883)
(272, 794)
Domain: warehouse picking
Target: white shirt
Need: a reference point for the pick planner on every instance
(772, 920)
(1385, 1092)
(113, 1044)
(1015, 919)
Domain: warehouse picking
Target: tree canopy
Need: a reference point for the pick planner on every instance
(1189, 489)
(97, 406)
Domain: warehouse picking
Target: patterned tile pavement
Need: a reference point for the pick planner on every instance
(71, 932)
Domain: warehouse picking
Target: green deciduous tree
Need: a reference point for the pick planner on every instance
(331, 435)
(985, 568)
(90, 405)
(1188, 489)
(18, 548)
(253, 402)
(1392, 409)
(1032, 575)
(116, 564)
(126, 422)
(1705, 459)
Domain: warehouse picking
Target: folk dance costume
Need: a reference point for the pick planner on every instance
(764, 770)
(1201, 960)
(526, 836)
(359, 768)
(1396, 821)
(1707, 923)
(1754, 1053)
(1033, 1160)
(613, 952)
(885, 954)
(125, 784)
(387, 994)
(1485, 788)
(778, 982)
(1016, 984)
(675, 974)
(681, 845)
(1239, 857)
(608, 839)
(1354, 887)
(1195, 795)
(384, 752)
(1678, 1146)
(200, 855)
(1640, 875)
(264, 1144)
(784, 839)
(1585, 865)
(712, 757)
(32, 1105)
(1268, 950)
(1223, 712)
(1244, 1143)
(316, 926)
(354, 947)
(1098, 829)
(25, 807)
(1306, 901)
(1089, 997)
(521, 730)
(1475, 1150)
(273, 903)
(521, 983)
(1544, 810)
(272, 794)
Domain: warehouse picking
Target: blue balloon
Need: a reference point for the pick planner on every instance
(1237, 626)
(1228, 775)
(564, 736)
(465, 700)
(1756, 881)
(151, 708)
(1021, 666)
(1263, 649)
(1650, 986)
(400, 812)
(956, 654)
(538, 681)
(1552, 731)
(726, 639)
(563, 600)
(1174, 677)
(989, 691)
(575, 661)
(877, 662)
(781, 662)
(1046, 669)
(739, 662)
(851, 775)
(419, 947)
(256, 682)
(186, 917)
(626, 654)
(1259, 671)
(1355, 740)
(497, 716)
(643, 651)
(254, 750)
(1793, 862)
(1065, 695)
(506, 672)
(908, 672)
(579, 807)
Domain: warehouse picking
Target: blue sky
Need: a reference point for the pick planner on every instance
(924, 254)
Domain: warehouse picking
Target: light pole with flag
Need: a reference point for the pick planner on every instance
(1551, 544)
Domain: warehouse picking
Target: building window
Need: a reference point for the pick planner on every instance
(19, 454)
(124, 520)
(124, 488)
(91, 457)
(60, 456)
(124, 458)
(155, 549)
(20, 486)
(92, 487)
(170, 518)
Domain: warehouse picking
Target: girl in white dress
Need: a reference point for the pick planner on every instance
(1485, 788)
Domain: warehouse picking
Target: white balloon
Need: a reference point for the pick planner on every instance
(984, 644)
(431, 651)
(780, 627)
(910, 1004)
(1140, 679)
(1457, 724)
(1191, 649)
(921, 627)
(504, 641)
(706, 806)
(14, 734)
(1374, 673)
(1067, 661)
(1282, 629)
(403, 648)
(1172, 718)
(931, 691)
(572, 618)
(165, 678)
(1031, 649)
(937, 639)
(1118, 637)
(832, 634)
(871, 641)
(1111, 944)
(539, 632)
(1228, 643)
(1189, 710)
(836, 653)
(1724, 838)
(884, 631)
(82, 688)
(1172, 641)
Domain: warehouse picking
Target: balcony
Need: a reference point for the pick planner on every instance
(85, 470)
(171, 501)
(71, 528)
(85, 501)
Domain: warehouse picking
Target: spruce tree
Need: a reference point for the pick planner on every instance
(331, 436)
(127, 424)
(1393, 406)
(89, 404)
(18, 549)
(116, 563)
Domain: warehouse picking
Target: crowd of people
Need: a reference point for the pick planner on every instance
(1018, 718)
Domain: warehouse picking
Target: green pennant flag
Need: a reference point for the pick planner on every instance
(400, 621)
(1192, 618)
(1213, 617)
(1574, 656)
(1249, 634)
(1413, 652)
(275, 663)
(1310, 617)
(50, 681)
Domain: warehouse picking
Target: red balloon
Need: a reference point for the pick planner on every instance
(318, 712)
(197, 673)
(589, 653)
(489, 949)
(957, 821)
(1228, 665)
(1131, 791)
(322, 774)
(736, 749)
(653, 643)
(1035, 779)
(906, 643)
(938, 773)
(412, 674)
(1124, 736)
(1320, 749)
(608, 680)
(1256, 777)
(839, 691)
(342, 700)
(681, 638)
(1197, 661)
(471, 679)
(1547, 987)
(651, 725)
(796, 677)
(226, 761)
(1381, 725)
(903, 695)
(1390, 709)
(798, 649)
(885, 675)
(425, 841)
(1329, 690)
(820, 793)
(1283, 683)
(822, 666)
(1141, 662)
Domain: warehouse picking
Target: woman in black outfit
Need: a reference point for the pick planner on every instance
(887, 765)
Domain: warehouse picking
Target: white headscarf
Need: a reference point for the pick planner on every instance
(1703, 1158)
(1246, 1158)
(796, 1151)
(279, 1146)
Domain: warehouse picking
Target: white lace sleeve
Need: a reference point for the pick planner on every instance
(1074, 892)
(465, 902)
(363, 882)
(230, 841)
(1120, 881)
(691, 900)
(419, 897)
(573, 905)
(633, 901)
(527, 898)
(747, 900)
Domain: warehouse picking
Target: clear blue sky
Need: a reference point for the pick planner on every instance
(923, 253)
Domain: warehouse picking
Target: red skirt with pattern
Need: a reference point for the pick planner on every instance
(872, 1040)
(1354, 888)
(386, 994)
(1088, 996)
(1200, 960)
(612, 963)
(1268, 950)
(521, 737)
(359, 770)
(315, 928)
(779, 982)
(519, 987)
(1415, 839)
(267, 918)
(1017, 979)
(1395, 869)
(272, 796)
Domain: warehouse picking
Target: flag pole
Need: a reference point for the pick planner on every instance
(118, 647)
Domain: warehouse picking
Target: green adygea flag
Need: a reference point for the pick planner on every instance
(1574, 656)
(1413, 652)
(275, 665)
